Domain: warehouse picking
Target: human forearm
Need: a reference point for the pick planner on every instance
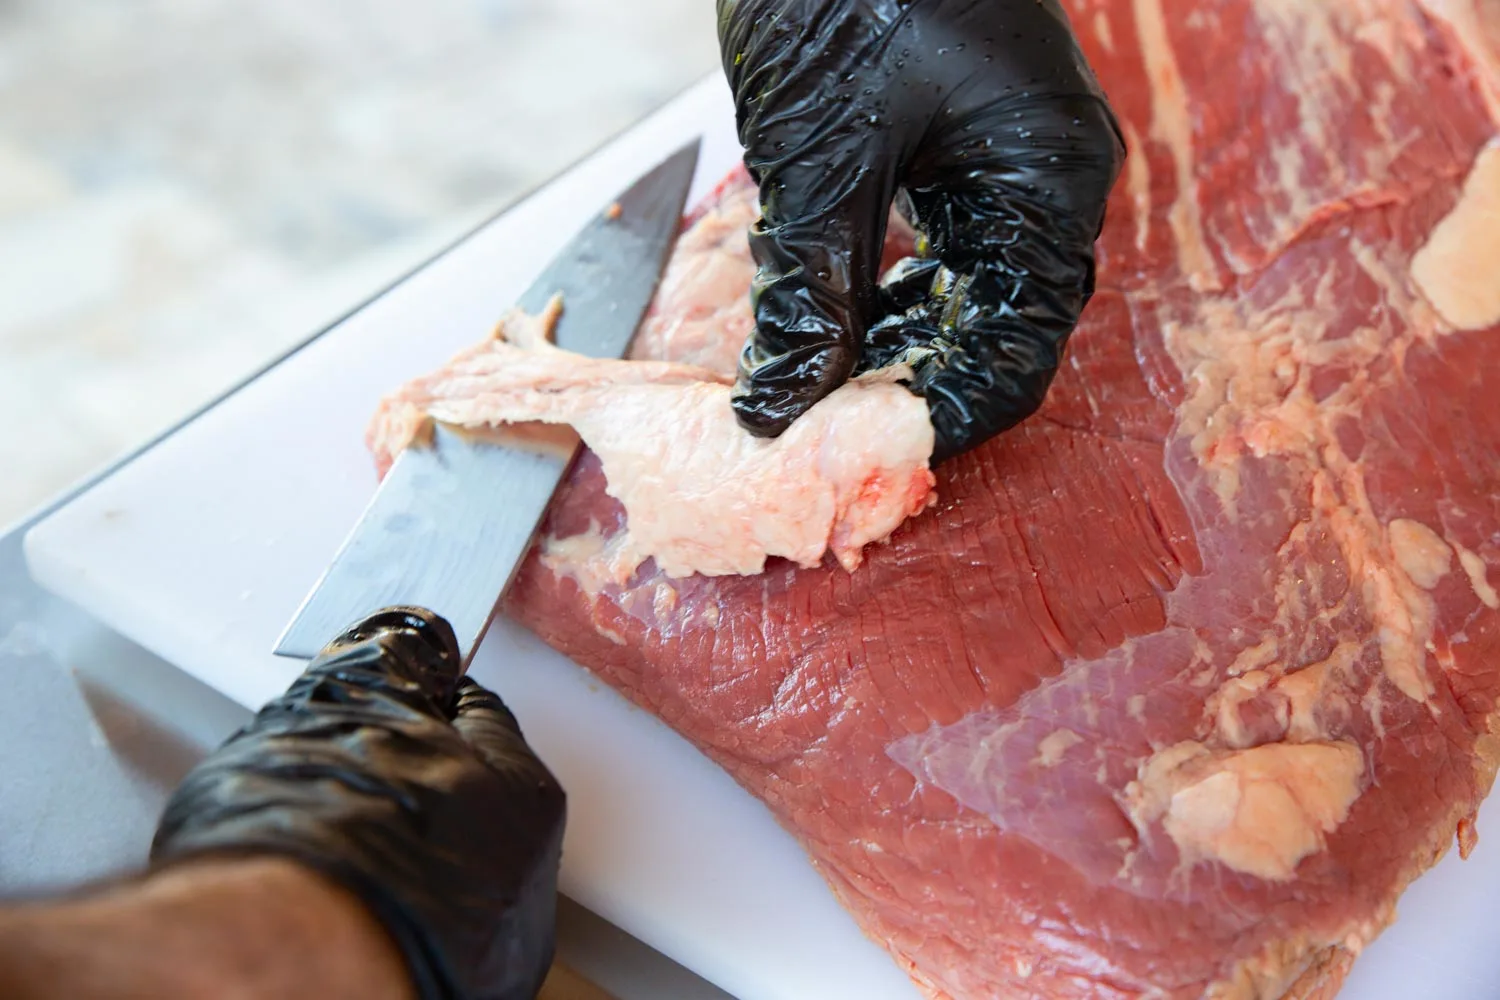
(238, 930)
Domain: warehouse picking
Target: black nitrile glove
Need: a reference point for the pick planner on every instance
(987, 115)
(414, 789)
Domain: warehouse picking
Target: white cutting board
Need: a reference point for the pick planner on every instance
(201, 550)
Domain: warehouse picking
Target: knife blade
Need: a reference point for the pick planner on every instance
(451, 521)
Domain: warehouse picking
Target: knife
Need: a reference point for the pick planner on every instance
(451, 521)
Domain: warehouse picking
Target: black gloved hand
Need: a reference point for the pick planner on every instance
(987, 115)
(450, 831)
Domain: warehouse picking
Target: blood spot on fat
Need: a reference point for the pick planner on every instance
(1457, 269)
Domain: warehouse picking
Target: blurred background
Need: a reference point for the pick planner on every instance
(189, 187)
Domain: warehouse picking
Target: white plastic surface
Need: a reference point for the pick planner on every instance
(202, 549)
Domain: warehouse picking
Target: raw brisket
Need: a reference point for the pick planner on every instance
(1185, 679)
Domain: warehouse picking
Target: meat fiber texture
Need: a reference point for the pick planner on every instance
(1184, 680)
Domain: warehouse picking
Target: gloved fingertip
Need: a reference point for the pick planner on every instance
(410, 643)
(430, 627)
(778, 384)
(762, 417)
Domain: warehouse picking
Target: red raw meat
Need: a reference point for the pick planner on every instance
(1185, 679)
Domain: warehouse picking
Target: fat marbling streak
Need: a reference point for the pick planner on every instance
(452, 520)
